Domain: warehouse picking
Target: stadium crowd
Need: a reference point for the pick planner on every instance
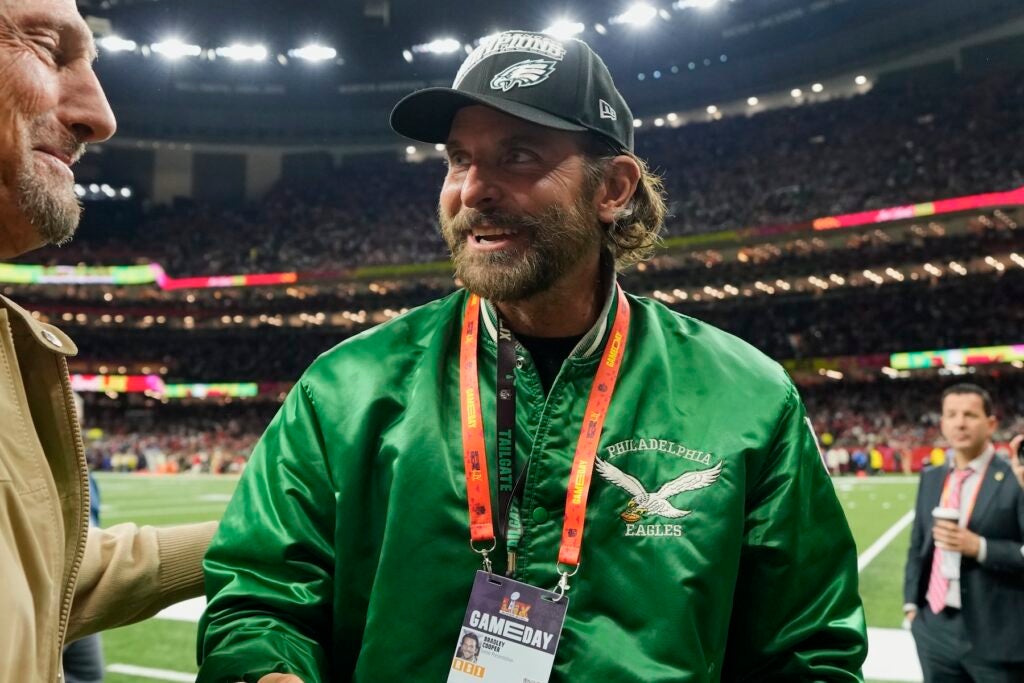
(171, 438)
(891, 146)
(941, 313)
(889, 415)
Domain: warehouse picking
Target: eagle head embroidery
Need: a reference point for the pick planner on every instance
(523, 74)
(656, 504)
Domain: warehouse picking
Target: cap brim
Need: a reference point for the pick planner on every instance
(426, 115)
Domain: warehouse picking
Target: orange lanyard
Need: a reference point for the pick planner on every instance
(478, 490)
(974, 495)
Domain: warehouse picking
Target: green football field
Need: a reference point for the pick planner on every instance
(165, 649)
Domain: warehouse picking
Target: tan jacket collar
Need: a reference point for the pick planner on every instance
(47, 335)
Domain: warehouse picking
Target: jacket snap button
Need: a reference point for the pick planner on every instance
(520, 362)
(540, 515)
(52, 338)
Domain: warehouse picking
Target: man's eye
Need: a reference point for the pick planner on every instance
(519, 156)
(48, 45)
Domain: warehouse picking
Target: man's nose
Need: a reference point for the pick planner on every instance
(83, 108)
(480, 189)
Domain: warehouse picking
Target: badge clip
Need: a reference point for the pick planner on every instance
(485, 554)
(563, 581)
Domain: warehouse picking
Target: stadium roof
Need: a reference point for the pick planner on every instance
(180, 69)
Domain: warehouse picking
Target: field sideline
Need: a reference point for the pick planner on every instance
(158, 649)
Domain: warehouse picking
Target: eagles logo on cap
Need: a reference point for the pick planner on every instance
(523, 74)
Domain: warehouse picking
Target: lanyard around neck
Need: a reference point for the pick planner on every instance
(481, 524)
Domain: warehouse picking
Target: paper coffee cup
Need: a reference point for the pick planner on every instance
(946, 514)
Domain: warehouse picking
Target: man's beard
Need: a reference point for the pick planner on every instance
(47, 203)
(556, 240)
(54, 211)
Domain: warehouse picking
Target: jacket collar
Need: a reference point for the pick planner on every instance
(591, 342)
(46, 335)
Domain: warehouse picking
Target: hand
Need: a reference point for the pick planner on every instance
(280, 678)
(911, 615)
(951, 536)
(1015, 463)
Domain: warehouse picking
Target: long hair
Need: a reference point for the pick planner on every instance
(636, 231)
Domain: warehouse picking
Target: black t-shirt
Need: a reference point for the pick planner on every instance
(548, 354)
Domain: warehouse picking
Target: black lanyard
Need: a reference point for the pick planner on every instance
(506, 424)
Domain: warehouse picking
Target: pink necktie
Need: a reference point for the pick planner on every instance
(938, 585)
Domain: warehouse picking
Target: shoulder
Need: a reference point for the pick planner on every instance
(714, 356)
(1002, 472)
(933, 477)
(386, 350)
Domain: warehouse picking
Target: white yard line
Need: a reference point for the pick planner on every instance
(885, 479)
(892, 656)
(155, 674)
(189, 610)
(885, 539)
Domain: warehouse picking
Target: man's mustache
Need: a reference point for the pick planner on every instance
(57, 139)
(466, 220)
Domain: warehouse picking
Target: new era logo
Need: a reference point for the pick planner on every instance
(607, 112)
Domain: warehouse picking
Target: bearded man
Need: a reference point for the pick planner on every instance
(61, 580)
(711, 545)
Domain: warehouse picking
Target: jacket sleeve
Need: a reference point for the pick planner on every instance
(270, 567)
(796, 614)
(919, 536)
(129, 573)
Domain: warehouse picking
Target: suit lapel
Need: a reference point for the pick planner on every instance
(990, 487)
(931, 495)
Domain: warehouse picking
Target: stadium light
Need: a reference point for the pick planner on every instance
(407, 56)
(796, 93)
(117, 44)
(439, 147)
(174, 49)
(314, 53)
(638, 15)
(695, 4)
(672, 116)
(441, 46)
(410, 150)
(239, 52)
(600, 28)
(564, 29)
(817, 87)
(753, 101)
(659, 122)
(712, 109)
(860, 80)
(637, 123)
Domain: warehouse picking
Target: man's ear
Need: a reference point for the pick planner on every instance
(617, 186)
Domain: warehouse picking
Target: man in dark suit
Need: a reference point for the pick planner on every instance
(964, 582)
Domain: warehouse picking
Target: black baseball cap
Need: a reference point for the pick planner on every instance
(560, 84)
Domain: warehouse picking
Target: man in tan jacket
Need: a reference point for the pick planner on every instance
(59, 580)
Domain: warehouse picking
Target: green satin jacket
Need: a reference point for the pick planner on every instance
(344, 554)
